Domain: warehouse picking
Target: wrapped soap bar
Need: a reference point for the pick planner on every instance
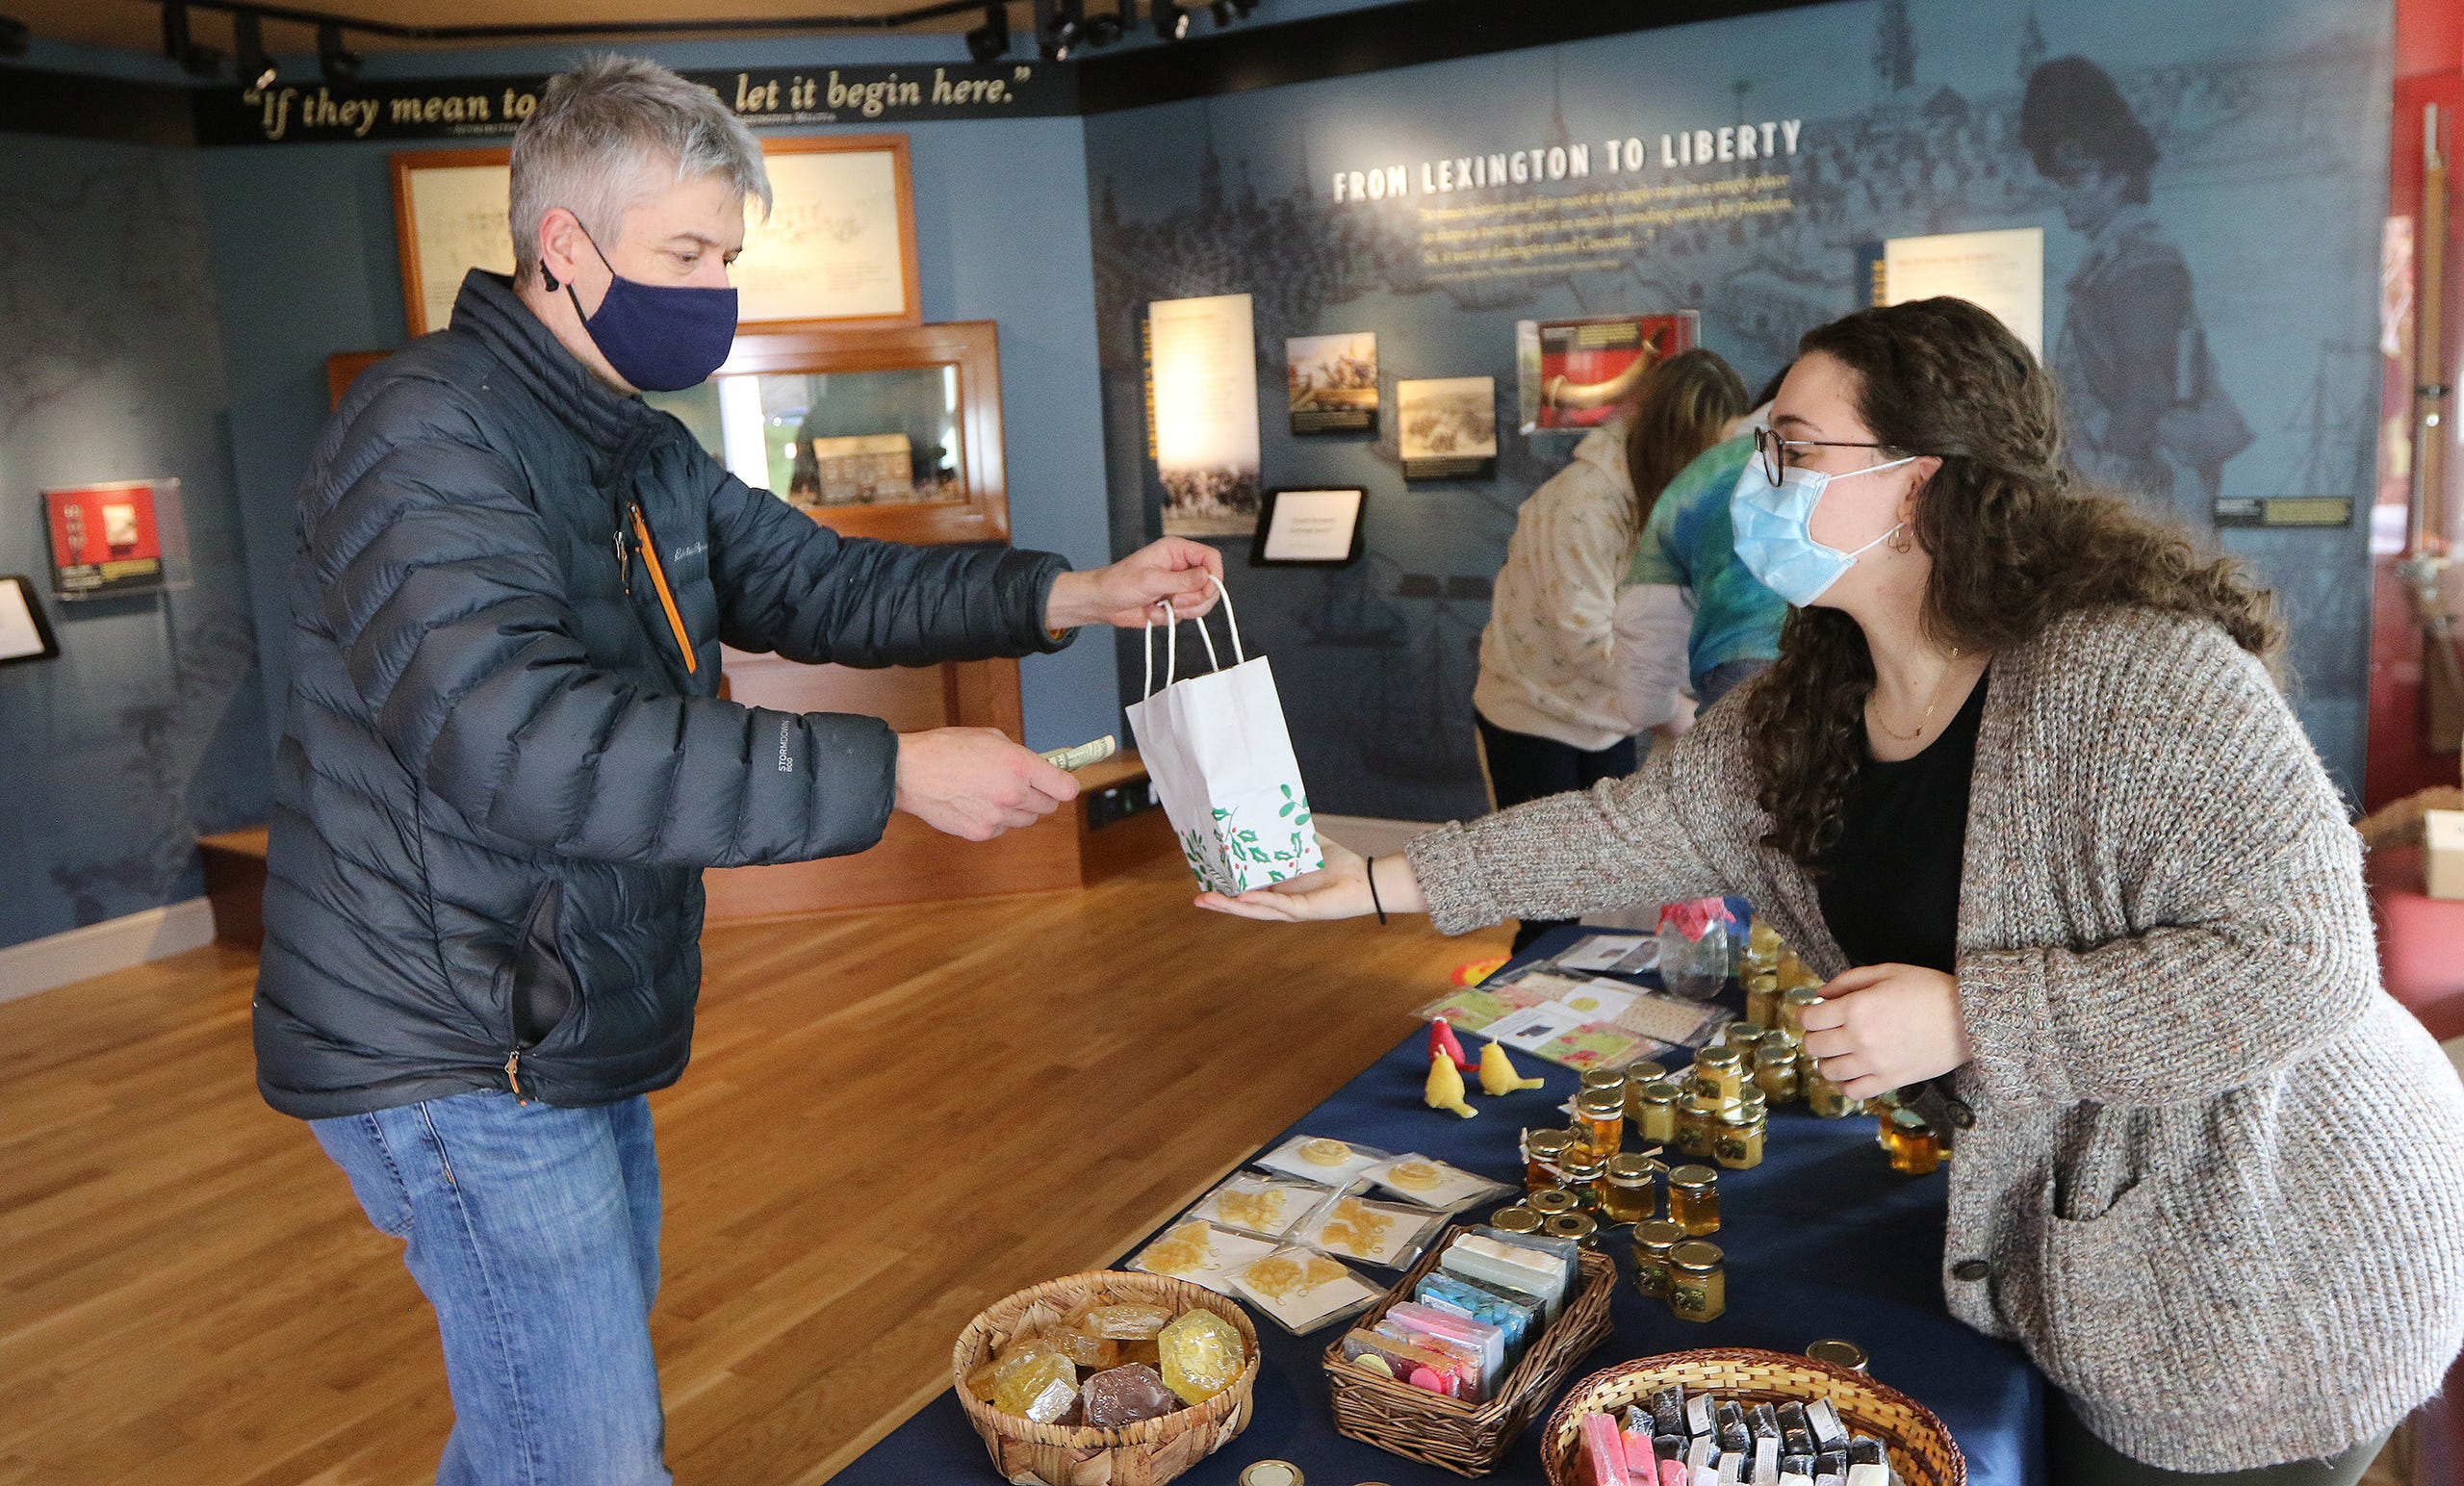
(1302, 1290)
(1464, 1357)
(1763, 1420)
(1124, 1322)
(1841, 1479)
(1387, 1233)
(1796, 1442)
(1867, 1474)
(1669, 1447)
(1453, 1294)
(1790, 1478)
(1668, 1410)
(1831, 1462)
(1766, 1460)
(1486, 1259)
(1822, 1417)
(1865, 1450)
(1566, 1251)
(1672, 1472)
(1698, 1415)
(1701, 1456)
(1796, 1465)
(1269, 1205)
(1200, 1252)
(1432, 1182)
(1637, 1445)
(1792, 1416)
(1404, 1362)
(1317, 1158)
(1202, 1355)
(1733, 1436)
(1120, 1396)
(1490, 1341)
(1602, 1457)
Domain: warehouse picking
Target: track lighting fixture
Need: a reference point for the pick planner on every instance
(255, 66)
(335, 61)
(991, 41)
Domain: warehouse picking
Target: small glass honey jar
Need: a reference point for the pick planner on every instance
(1792, 1009)
(1600, 1119)
(1698, 1282)
(1694, 1199)
(1695, 1119)
(1910, 1142)
(1654, 1237)
(1521, 1218)
(1828, 1100)
(1549, 1201)
(1626, 1192)
(1582, 1227)
(1720, 1069)
(1655, 1111)
(1586, 1172)
(1762, 1001)
(1605, 1078)
(1736, 1143)
(1741, 1034)
(1543, 1150)
(1776, 1066)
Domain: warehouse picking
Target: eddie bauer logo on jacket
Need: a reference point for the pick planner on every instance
(786, 760)
(693, 550)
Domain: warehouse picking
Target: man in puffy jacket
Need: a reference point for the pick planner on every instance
(504, 762)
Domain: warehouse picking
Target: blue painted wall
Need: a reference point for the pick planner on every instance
(304, 263)
(150, 727)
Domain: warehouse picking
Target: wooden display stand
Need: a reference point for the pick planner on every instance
(235, 884)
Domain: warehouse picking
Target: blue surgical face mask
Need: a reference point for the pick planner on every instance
(660, 337)
(1773, 536)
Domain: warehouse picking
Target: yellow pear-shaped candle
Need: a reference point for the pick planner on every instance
(1497, 1075)
(1445, 1089)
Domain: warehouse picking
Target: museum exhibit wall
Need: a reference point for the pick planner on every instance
(2268, 115)
(150, 727)
(304, 264)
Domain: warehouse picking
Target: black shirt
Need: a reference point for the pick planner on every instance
(1891, 891)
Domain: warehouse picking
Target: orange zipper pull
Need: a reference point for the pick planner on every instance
(659, 579)
(513, 1075)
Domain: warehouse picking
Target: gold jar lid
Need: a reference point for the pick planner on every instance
(1602, 1103)
(1548, 1145)
(1697, 1257)
(1744, 1114)
(1838, 1353)
(1577, 1226)
(1754, 1098)
(1629, 1168)
(1741, 1034)
(1579, 1170)
(1643, 1071)
(1714, 1059)
(1661, 1092)
(1656, 1236)
(1763, 980)
(1605, 1078)
(1693, 1178)
(1802, 996)
(1778, 1043)
(1548, 1202)
(1520, 1218)
(1272, 1473)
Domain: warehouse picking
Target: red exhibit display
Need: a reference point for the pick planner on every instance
(107, 540)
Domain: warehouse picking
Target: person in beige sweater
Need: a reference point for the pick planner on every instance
(2023, 787)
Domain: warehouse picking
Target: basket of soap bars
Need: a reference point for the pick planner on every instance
(1735, 1413)
(1463, 1355)
(1106, 1379)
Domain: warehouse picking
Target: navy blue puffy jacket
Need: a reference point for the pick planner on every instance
(498, 784)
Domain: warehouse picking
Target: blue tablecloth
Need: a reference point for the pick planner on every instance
(1823, 1240)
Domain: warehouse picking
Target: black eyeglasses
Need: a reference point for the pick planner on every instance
(1772, 449)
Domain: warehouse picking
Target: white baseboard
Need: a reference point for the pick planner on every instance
(99, 949)
(1369, 835)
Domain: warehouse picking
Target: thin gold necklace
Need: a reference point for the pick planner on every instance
(1871, 710)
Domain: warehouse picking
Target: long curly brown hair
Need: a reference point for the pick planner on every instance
(1682, 408)
(2015, 545)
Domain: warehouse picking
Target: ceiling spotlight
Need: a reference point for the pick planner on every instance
(256, 68)
(1172, 22)
(335, 61)
(195, 59)
(991, 41)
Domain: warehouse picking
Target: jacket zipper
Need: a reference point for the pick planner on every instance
(659, 579)
(513, 1075)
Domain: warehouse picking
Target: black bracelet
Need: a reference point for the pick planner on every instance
(1372, 890)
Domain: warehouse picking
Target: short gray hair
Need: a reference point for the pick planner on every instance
(604, 135)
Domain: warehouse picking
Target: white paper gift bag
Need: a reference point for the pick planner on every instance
(1221, 760)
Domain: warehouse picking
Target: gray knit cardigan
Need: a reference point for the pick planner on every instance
(2215, 1185)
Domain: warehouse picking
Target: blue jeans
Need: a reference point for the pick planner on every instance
(535, 1233)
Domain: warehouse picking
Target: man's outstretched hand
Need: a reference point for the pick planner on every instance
(975, 784)
(1125, 593)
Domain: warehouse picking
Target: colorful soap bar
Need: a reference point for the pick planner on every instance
(1698, 1415)
(1602, 1455)
(1668, 1410)
(1404, 1362)
(1446, 1292)
(1822, 1417)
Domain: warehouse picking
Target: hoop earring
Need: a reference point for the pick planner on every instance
(1901, 541)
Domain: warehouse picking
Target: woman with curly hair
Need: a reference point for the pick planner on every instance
(2022, 786)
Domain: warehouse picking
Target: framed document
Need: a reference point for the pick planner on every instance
(839, 248)
(1309, 528)
(110, 540)
(24, 633)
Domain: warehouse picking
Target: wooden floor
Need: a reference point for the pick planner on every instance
(893, 1117)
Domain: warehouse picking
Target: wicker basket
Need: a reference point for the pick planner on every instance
(1145, 1454)
(1921, 1449)
(1468, 1439)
